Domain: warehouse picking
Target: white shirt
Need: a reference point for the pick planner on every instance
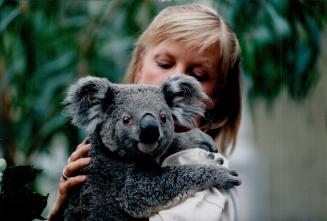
(209, 204)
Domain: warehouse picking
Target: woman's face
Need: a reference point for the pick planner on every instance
(165, 60)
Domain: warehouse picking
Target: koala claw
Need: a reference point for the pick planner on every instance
(227, 179)
(234, 173)
(211, 156)
(220, 161)
(234, 180)
(231, 184)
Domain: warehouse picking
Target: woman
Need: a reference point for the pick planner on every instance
(186, 39)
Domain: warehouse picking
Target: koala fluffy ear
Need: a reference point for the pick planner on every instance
(186, 99)
(86, 101)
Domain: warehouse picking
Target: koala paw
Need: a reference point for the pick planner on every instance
(220, 161)
(227, 178)
(212, 157)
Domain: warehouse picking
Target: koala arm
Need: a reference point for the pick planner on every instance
(147, 192)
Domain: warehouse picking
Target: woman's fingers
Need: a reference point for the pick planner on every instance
(76, 165)
(81, 150)
(66, 185)
(56, 211)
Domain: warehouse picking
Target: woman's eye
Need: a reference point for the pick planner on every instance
(164, 65)
(200, 76)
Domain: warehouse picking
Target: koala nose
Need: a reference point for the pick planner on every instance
(149, 129)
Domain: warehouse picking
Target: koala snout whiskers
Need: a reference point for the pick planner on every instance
(149, 129)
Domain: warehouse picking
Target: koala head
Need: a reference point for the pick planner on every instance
(135, 120)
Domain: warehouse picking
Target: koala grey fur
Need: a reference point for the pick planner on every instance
(194, 138)
(130, 128)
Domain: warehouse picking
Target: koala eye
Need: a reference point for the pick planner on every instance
(127, 119)
(163, 118)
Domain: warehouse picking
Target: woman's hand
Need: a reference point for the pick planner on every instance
(75, 163)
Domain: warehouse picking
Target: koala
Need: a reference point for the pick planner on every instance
(131, 128)
(194, 138)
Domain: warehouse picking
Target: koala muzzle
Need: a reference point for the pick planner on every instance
(149, 129)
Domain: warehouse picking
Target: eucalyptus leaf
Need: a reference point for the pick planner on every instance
(4, 22)
(280, 24)
(75, 22)
(3, 165)
(54, 65)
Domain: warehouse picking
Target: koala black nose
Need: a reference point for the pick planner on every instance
(149, 129)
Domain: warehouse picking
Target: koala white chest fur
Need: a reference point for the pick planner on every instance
(131, 129)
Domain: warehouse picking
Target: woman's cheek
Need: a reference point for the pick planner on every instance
(209, 89)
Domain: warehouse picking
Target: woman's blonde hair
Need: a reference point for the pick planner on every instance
(201, 27)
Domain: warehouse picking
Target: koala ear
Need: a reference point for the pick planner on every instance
(186, 99)
(86, 101)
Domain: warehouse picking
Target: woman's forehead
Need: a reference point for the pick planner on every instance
(177, 49)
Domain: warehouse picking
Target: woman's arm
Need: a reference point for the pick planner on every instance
(75, 162)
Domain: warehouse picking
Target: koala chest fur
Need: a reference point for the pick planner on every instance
(100, 197)
(131, 128)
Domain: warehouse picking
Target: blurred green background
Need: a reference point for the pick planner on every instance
(47, 45)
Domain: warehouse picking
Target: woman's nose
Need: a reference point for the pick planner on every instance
(178, 70)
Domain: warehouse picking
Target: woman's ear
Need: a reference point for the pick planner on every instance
(186, 100)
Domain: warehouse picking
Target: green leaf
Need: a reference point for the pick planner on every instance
(54, 65)
(279, 23)
(8, 19)
(3, 165)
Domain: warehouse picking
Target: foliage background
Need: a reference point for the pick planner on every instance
(47, 45)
